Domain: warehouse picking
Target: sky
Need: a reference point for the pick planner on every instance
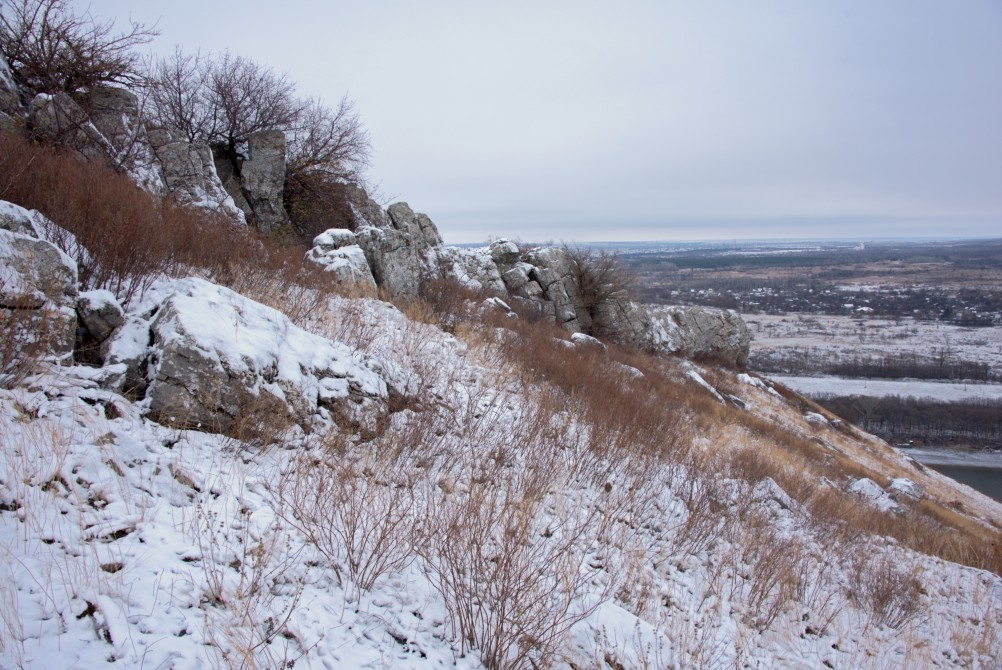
(647, 120)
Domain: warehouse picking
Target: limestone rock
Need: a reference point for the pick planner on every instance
(59, 120)
(694, 332)
(100, 313)
(588, 343)
(553, 270)
(474, 268)
(505, 254)
(189, 175)
(337, 251)
(403, 255)
(258, 184)
(115, 114)
(10, 99)
(419, 226)
(17, 219)
(366, 211)
(219, 361)
(38, 291)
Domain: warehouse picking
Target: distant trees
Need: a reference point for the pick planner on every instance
(51, 48)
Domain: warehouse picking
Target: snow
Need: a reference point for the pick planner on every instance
(127, 542)
(879, 388)
(870, 491)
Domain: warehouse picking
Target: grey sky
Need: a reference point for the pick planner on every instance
(649, 120)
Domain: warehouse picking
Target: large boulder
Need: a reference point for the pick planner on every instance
(206, 357)
(38, 292)
(337, 251)
(694, 332)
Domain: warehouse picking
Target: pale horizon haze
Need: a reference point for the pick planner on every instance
(632, 121)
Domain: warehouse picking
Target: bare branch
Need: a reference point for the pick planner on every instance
(50, 48)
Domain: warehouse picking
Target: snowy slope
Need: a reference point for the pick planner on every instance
(127, 543)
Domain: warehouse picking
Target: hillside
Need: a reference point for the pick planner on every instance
(220, 450)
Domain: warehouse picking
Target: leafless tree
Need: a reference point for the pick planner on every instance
(328, 140)
(177, 95)
(51, 48)
(246, 97)
(222, 100)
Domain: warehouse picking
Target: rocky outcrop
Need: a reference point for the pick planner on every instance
(206, 357)
(403, 255)
(188, 173)
(694, 332)
(59, 120)
(38, 292)
(365, 211)
(255, 178)
(115, 114)
(337, 251)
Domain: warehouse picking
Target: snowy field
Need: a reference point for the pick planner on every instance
(845, 336)
(879, 388)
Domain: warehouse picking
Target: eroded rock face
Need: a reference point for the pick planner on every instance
(219, 361)
(366, 211)
(188, 172)
(694, 332)
(553, 270)
(337, 251)
(59, 120)
(402, 256)
(10, 99)
(38, 292)
(257, 181)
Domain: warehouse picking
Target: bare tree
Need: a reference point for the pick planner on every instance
(222, 100)
(178, 97)
(50, 48)
(246, 97)
(328, 140)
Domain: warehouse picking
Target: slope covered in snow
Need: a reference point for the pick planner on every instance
(500, 516)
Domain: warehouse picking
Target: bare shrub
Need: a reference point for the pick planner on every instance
(514, 579)
(23, 337)
(249, 600)
(891, 592)
(773, 565)
(356, 509)
(600, 279)
(122, 237)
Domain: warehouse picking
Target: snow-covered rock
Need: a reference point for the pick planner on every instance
(100, 313)
(336, 250)
(869, 490)
(188, 174)
(38, 292)
(217, 359)
(17, 219)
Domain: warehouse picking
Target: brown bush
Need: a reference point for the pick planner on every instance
(121, 236)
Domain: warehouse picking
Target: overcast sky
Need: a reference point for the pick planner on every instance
(651, 120)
